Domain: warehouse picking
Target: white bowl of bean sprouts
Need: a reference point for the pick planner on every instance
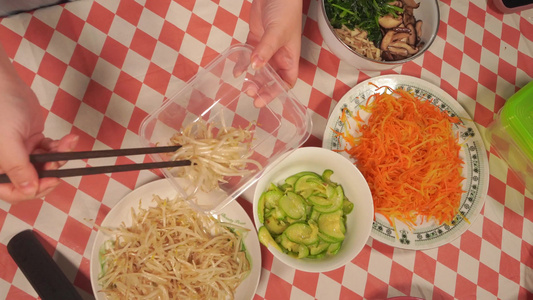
(402, 31)
(232, 122)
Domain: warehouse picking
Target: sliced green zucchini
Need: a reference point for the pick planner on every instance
(330, 191)
(261, 208)
(302, 233)
(286, 187)
(336, 202)
(293, 205)
(332, 225)
(314, 215)
(287, 244)
(319, 200)
(318, 247)
(292, 179)
(333, 248)
(326, 176)
(272, 198)
(266, 239)
(277, 213)
(347, 206)
(272, 187)
(309, 182)
(275, 226)
(326, 238)
(303, 251)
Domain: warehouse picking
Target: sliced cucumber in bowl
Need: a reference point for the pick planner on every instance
(305, 215)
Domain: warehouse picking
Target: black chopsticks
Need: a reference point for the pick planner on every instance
(65, 156)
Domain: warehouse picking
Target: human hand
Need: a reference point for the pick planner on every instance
(275, 32)
(21, 133)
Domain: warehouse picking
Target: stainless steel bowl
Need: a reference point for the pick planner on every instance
(428, 12)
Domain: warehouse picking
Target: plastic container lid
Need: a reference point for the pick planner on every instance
(517, 117)
(223, 94)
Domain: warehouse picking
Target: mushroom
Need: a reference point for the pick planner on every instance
(411, 40)
(411, 3)
(418, 28)
(397, 3)
(404, 45)
(386, 55)
(387, 39)
(403, 36)
(408, 17)
(389, 21)
(402, 29)
(398, 51)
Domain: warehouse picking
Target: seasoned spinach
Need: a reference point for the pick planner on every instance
(361, 14)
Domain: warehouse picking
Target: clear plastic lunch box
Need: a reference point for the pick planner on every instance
(224, 90)
(511, 134)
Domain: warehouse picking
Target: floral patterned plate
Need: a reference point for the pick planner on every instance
(426, 234)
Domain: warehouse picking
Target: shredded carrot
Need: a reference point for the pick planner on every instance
(409, 156)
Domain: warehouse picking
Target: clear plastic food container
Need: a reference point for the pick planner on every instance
(511, 134)
(223, 94)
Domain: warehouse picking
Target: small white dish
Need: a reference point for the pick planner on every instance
(358, 222)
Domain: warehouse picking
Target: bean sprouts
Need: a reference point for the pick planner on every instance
(214, 154)
(172, 251)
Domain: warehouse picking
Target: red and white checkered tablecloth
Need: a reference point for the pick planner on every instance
(99, 67)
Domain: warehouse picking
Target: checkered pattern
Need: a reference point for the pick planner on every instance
(99, 67)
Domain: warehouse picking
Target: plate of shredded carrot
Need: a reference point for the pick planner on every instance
(421, 154)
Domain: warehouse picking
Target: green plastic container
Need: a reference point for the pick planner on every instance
(511, 134)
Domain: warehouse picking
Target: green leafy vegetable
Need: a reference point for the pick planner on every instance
(361, 14)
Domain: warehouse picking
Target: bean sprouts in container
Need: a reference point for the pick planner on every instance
(214, 152)
(172, 251)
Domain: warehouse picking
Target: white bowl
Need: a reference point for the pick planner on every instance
(428, 12)
(358, 222)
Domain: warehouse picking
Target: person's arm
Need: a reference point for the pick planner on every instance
(21, 133)
(276, 32)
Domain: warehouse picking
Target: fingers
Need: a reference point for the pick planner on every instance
(263, 94)
(16, 164)
(241, 65)
(290, 74)
(66, 144)
(275, 31)
(11, 194)
(269, 44)
(46, 185)
(282, 55)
